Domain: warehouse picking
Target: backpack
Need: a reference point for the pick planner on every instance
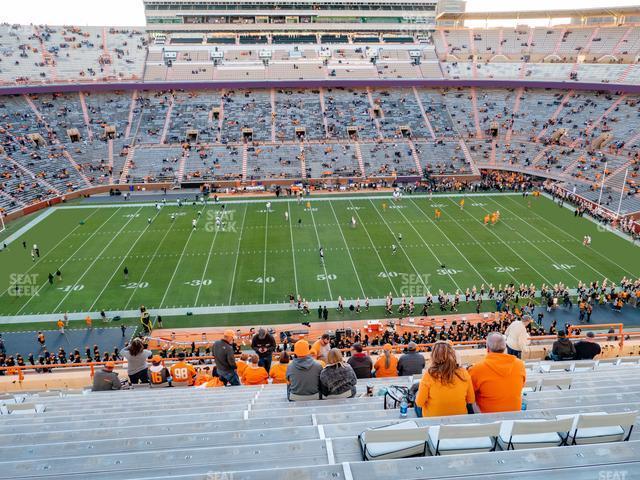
(394, 395)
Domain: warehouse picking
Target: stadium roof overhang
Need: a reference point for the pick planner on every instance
(537, 14)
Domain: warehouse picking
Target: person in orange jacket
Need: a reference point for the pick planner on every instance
(446, 388)
(498, 380)
(182, 372)
(242, 364)
(387, 363)
(203, 376)
(278, 372)
(254, 374)
(215, 380)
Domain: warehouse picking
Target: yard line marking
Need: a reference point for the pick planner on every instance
(235, 266)
(184, 248)
(402, 248)
(68, 259)
(498, 263)
(293, 256)
(448, 239)
(375, 250)
(122, 261)
(576, 240)
(347, 247)
(324, 267)
(264, 267)
(35, 222)
(518, 255)
(149, 263)
(95, 259)
(206, 264)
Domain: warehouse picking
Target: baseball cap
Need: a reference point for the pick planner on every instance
(301, 348)
(156, 359)
(229, 333)
(591, 335)
(386, 346)
(110, 365)
(412, 346)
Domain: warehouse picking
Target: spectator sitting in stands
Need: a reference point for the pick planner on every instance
(412, 362)
(322, 347)
(203, 376)
(159, 375)
(303, 374)
(182, 373)
(337, 378)
(242, 363)
(587, 349)
(360, 362)
(517, 336)
(278, 372)
(215, 380)
(255, 374)
(562, 348)
(445, 389)
(136, 356)
(225, 359)
(498, 380)
(106, 379)
(387, 363)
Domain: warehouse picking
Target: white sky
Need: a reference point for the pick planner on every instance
(131, 12)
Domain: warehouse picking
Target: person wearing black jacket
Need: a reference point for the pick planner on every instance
(562, 348)
(225, 360)
(587, 349)
(264, 345)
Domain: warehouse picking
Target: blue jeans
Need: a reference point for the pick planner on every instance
(515, 353)
(265, 362)
(231, 379)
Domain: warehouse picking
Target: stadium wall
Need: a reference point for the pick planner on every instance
(309, 84)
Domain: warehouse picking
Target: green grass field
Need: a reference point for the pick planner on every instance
(259, 258)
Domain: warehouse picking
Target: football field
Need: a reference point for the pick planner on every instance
(255, 258)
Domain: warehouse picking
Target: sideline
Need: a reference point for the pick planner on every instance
(225, 309)
(25, 228)
(338, 197)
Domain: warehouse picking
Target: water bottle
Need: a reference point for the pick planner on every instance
(404, 405)
(524, 404)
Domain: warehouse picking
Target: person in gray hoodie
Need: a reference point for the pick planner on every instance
(303, 374)
(412, 362)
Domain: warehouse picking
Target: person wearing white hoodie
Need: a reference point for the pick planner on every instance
(517, 336)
